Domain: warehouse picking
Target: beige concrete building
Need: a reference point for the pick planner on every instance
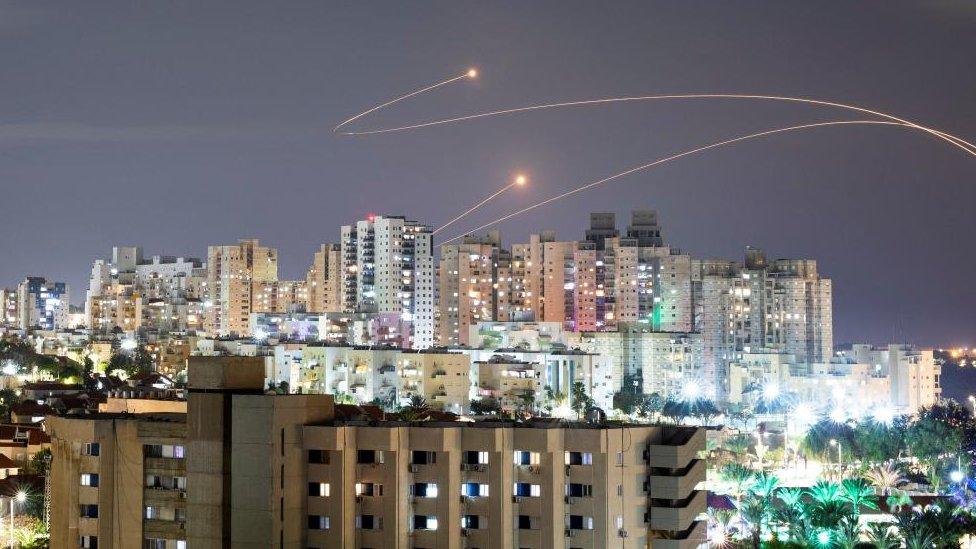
(539, 485)
(231, 274)
(475, 284)
(246, 469)
(279, 296)
(324, 280)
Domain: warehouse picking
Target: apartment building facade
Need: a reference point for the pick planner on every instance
(246, 469)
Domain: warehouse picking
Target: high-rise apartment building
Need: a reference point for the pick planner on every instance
(231, 274)
(324, 280)
(42, 304)
(129, 292)
(388, 265)
(783, 305)
(475, 282)
(246, 469)
(8, 307)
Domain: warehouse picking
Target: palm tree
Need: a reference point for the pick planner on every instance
(827, 506)
(849, 532)
(882, 535)
(791, 512)
(755, 510)
(898, 500)
(764, 485)
(917, 534)
(886, 478)
(858, 493)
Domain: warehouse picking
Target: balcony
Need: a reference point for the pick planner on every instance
(692, 538)
(163, 497)
(676, 484)
(165, 465)
(167, 529)
(676, 515)
(678, 446)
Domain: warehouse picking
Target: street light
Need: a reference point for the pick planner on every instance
(19, 497)
(840, 465)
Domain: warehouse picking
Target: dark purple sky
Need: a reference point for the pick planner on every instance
(173, 125)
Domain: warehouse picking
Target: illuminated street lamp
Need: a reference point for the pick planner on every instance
(840, 465)
(19, 497)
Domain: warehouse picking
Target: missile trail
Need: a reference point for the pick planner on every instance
(952, 139)
(469, 74)
(518, 181)
(666, 159)
(887, 119)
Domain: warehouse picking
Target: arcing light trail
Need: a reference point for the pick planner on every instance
(470, 74)
(666, 159)
(518, 181)
(889, 120)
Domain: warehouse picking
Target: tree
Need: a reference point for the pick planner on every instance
(877, 442)
(827, 507)
(132, 364)
(8, 399)
(859, 493)
(885, 478)
(791, 512)
(818, 437)
(882, 535)
(930, 437)
(485, 406)
(649, 405)
(39, 462)
(581, 402)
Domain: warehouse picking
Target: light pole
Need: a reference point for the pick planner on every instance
(840, 465)
(20, 497)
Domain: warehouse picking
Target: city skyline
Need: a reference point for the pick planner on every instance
(227, 151)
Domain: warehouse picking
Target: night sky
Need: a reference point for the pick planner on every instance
(174, 125)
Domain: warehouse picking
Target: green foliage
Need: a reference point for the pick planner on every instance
(818, 437)
(8, 399)
(879, 443)
(936, 432)
(885, 478)
(883, 535)
(39, 462)
(485, 406)
(859, 493)
(581, 401)
(135, 363)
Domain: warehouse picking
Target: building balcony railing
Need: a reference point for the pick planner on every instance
(166, 529)
(692, 538)
(676, 515)
(678, 446)
(164, 465)
(676, 484)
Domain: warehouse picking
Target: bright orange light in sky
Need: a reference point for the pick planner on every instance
(520, 179)
(472, 73)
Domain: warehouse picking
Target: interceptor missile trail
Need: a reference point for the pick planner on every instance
(518, 181)
(675, 157)
(952, 139)
(888, 119)
(471, 73)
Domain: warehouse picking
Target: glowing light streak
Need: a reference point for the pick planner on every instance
(472, 73)
(889, 119)
(952, 139)
(665, 160)
(519, 181)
